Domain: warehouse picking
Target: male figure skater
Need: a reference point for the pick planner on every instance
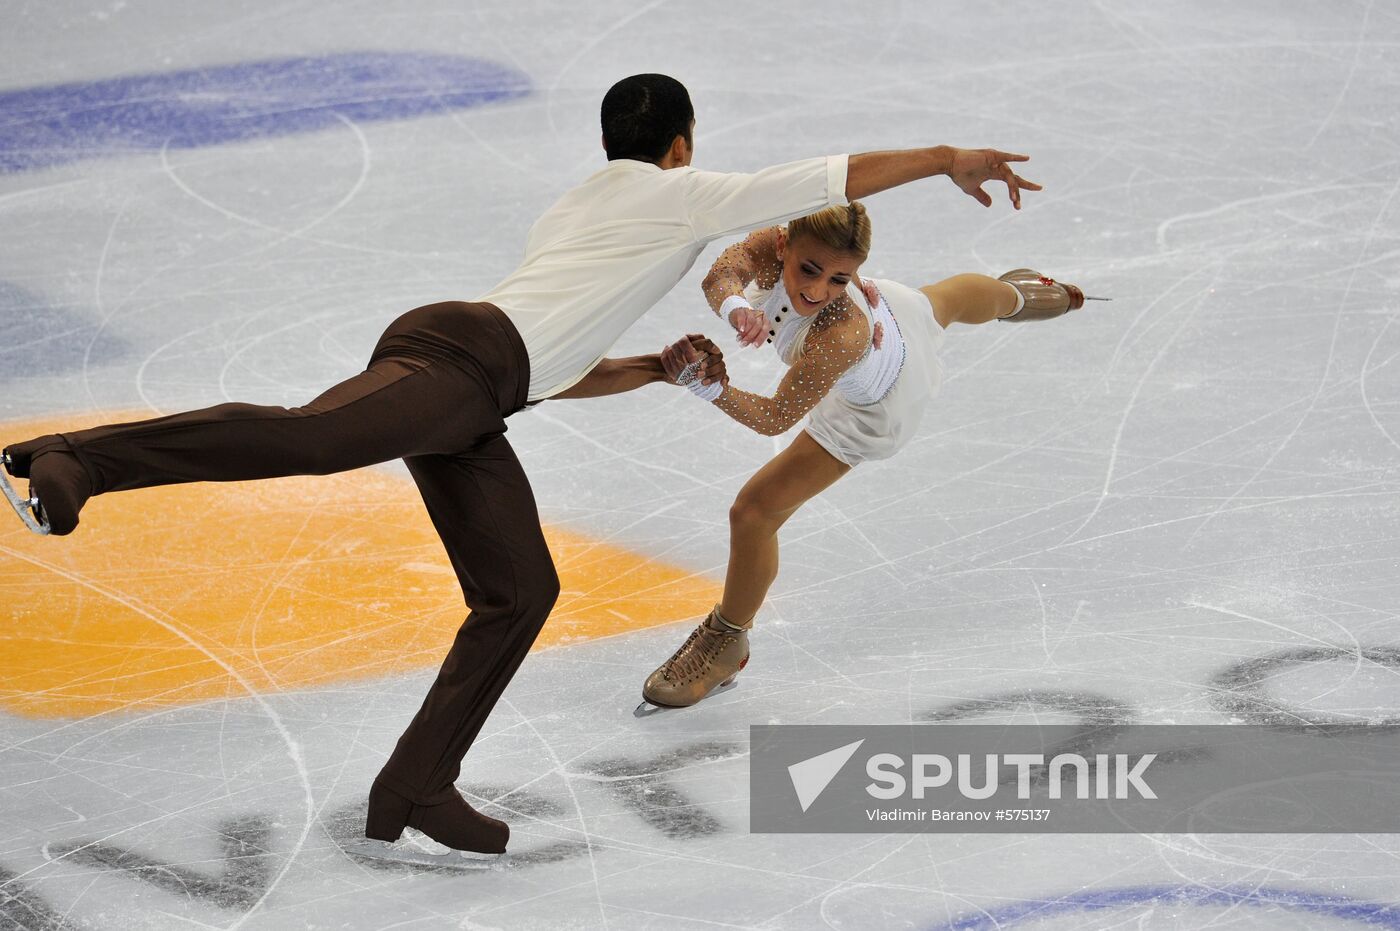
(444, 377)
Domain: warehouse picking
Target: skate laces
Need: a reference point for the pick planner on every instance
(695, 654)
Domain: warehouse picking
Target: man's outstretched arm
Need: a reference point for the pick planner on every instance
(872, 172)
(617, 376)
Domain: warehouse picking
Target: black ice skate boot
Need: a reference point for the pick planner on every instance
(451, 822)
(454, 835)
(58, 484)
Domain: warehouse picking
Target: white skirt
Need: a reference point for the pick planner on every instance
(856, 433)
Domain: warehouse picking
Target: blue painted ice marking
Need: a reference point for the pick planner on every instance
(1373, 914)
(44, 126)
(43, 339)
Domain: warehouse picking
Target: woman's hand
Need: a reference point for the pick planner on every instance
(872, 297)
(750, 324)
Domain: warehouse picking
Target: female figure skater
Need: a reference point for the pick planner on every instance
(862, 363)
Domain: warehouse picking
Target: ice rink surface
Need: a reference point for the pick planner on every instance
(1180, 507)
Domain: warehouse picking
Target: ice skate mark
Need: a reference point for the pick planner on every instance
(21, 907)
(245, 850)
(1366, 370)
(43, 339)
(1322, 383)
(585, 437)
(1165, 226)
(1241, 691)
(583, 829)
(643, 787)
(1106, 492)
(596, 40)
(167, 623)
(45, 126)
(283, 235)
(1147, 899)
(1346, 84)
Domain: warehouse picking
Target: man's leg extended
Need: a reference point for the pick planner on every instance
(396, 407)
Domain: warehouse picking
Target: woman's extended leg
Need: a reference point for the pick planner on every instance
(1020, 295)
(717, 649)
(970, 298)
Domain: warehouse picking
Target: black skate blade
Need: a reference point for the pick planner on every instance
(28, 509)
(1090, 298)
(408, 852)
(646, 709)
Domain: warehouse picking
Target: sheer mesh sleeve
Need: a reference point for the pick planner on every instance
(836, 341)
(752, 259)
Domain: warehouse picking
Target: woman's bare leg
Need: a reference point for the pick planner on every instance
(970, 299)
(718, 649)
(793, 477)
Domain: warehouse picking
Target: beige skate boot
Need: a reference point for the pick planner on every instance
(1045, 298)
(711, 657)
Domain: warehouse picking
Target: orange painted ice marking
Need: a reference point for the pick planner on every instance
(266, 586)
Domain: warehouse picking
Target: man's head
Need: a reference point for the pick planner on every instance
(649, 117)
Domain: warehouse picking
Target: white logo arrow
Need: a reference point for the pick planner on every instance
(811, 777)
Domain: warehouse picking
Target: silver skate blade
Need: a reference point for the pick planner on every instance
(646, 709)
(28, 509)
(412, 853)
(1088, 298)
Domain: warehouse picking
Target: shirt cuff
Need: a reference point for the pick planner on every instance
(836, 167)
(732, 303)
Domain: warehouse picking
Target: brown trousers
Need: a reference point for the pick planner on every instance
(436, 393)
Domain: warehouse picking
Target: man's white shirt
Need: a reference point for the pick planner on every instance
(612, 247)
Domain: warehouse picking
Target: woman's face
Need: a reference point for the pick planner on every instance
(813, 273)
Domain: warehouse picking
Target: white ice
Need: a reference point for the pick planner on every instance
(1124, 503)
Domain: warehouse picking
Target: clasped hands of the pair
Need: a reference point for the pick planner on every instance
(696, 363)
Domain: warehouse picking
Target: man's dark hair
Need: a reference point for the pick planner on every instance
(642, 116)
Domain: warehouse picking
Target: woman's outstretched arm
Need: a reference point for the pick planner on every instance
(836, 341)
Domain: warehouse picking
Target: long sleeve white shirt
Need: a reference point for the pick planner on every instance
(613, 246)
